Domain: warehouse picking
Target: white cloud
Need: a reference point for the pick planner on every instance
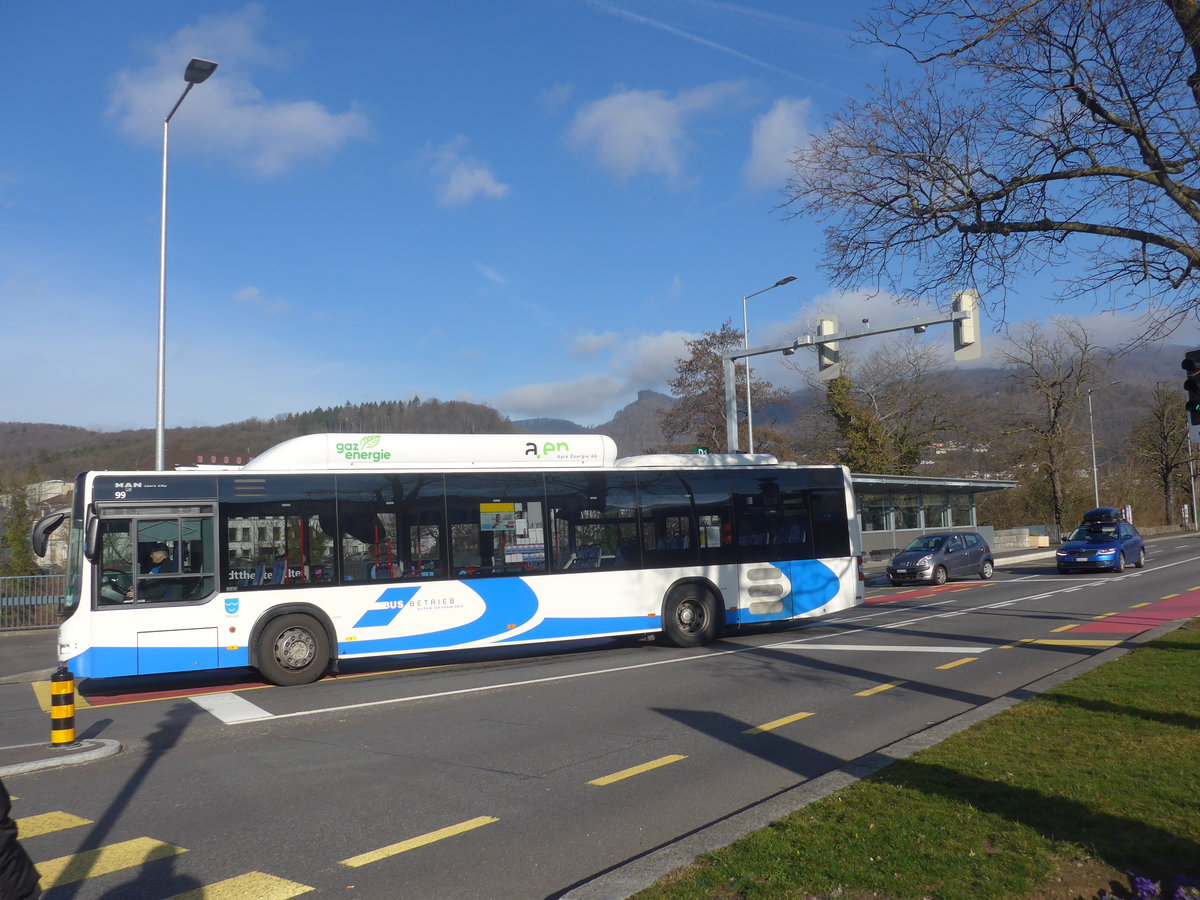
(252, 296)
(634, 131)
(491, 274)
(589, 395)
(463, 178)
(593, 344)
(777, 134)
(554, 98)
(227, 115)
(634, 363)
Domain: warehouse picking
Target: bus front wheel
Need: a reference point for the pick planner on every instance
(293, 649)
(691, 617)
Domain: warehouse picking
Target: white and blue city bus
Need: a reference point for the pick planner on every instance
(330, 547)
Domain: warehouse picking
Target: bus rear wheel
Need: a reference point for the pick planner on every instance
(691, 617)
(293, 649)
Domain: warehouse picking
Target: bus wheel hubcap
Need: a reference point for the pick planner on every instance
(295, 648)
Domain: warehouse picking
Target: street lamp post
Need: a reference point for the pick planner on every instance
(1095, 470)
(1092, 430)
(746, 340)
(197, 71)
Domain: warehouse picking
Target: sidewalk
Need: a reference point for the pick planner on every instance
(26, 657)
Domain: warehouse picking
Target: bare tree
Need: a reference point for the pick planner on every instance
(1057, 367)
(1160, 442)
(888, 409)
(699, 383)
(1037, 130)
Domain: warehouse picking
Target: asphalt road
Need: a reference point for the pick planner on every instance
(522, 776)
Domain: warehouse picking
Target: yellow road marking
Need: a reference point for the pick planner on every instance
(48, 823)
(1147, 603)
(959, 662)
(786, 720)
(1077, 643)
(256, 885)
(420, 841)
(103, 861)
(1105, 615)
(882, 687)
(41, 690)
(637, 770)
(1015, 644)
(1064, 628)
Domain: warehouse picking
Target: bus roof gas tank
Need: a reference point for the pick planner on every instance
(332, 452)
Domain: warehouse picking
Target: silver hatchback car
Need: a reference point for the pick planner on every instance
(939, 557)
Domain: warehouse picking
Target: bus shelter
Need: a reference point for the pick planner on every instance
(893, 509)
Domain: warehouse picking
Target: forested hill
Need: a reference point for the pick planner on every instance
(62, 451)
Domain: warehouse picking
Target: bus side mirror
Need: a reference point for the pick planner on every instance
(39, 536)
(90, 541)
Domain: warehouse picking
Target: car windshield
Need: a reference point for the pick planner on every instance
(925, 544)
(1094, 533)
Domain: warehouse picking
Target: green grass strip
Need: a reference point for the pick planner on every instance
(1098, 777)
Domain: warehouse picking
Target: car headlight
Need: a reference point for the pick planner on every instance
(924, 561)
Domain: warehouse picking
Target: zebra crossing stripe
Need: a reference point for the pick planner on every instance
(48, 823)
(103, 861)
(258, 885)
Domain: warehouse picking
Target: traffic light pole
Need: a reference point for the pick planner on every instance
(816, 341)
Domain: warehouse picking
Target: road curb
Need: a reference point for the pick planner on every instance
(84, 751)
(628, 878)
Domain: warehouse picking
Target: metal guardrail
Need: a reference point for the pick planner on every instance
(31, 601)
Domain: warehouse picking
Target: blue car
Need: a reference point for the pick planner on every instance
(1098, 545)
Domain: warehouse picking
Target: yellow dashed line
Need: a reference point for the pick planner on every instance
(103, 861)
(637, 770)
(959, 662)
(786, 720)
(878, 688)
(1064, 628)
(1147, 603)
(1077, 643)
(1105, 616)
(413, 843)
(1016, 644)
(256, 885)
(48, 823)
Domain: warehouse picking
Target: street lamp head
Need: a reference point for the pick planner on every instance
(786, 280)
(198, 70)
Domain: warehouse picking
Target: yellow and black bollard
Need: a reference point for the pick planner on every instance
(62, 707)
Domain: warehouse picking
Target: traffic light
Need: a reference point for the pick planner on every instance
(829, 357)
(966, 330)
(1191, 386)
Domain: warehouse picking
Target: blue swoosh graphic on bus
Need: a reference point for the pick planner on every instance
(393, 600)
(508, 604)
(813, 585)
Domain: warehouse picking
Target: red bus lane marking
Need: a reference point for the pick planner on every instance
(1183, 606)
(921, 593)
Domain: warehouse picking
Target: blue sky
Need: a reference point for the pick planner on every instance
(529, 204)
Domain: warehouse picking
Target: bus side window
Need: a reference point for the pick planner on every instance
(115, 561)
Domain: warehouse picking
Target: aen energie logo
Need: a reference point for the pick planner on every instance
(548, 449)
